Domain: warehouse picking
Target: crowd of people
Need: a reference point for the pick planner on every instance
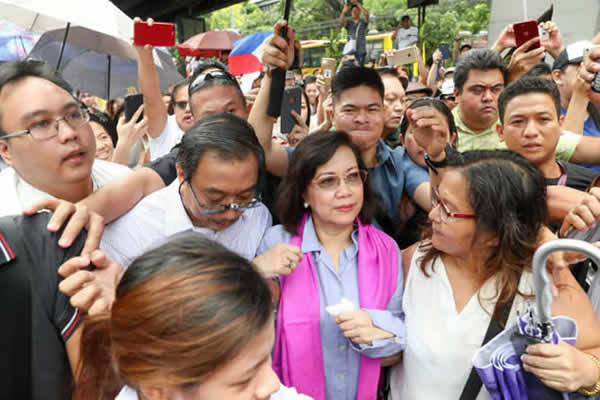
(195, 251)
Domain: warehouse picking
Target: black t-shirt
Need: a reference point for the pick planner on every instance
(165, 167)
(577, 177)
(30, 274)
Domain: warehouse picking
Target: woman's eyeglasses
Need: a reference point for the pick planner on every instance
(332, 182)
(446, 215)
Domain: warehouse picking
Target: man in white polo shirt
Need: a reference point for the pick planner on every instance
(46, 140)
(215, 194)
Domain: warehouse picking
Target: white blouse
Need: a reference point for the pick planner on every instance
(441, 342)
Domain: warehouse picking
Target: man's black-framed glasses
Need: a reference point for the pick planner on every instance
(202, 79)
(208, 209)
(47, 128)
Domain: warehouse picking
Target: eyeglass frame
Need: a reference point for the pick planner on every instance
(255, 202)
(84, 109)
(437, 201)
(215, 75)
(364, 174)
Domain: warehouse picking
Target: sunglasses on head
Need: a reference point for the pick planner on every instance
(203, 79)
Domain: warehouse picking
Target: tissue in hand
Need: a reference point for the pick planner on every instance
(342, 306)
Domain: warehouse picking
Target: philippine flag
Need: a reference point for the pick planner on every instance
(244, 57)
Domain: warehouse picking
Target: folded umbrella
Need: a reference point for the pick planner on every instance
(498, 362)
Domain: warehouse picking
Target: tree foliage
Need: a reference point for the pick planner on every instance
(441, 23)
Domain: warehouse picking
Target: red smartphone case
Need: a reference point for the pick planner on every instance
(525, 31)
(157, 34)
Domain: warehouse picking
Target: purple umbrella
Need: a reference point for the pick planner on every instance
(15, 43)
(498, 362)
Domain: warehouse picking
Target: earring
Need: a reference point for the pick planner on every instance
(306, 205)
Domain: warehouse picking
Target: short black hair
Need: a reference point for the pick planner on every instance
(526, 85)
(230, 137)
(405, 17)
(539, 69)
(308, 79)
(213, 82)
(352, 77)
(107, 123)
(479, 59)
(312, 152)
(15, 71)
(183, 83)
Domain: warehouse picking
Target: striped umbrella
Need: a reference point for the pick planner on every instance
(15, 43)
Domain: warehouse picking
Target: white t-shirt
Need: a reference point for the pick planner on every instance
(17, 194)
(441, 342)
(169, 138)
(406, 37)
(284, 393)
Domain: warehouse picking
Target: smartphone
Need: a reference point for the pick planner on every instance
(525, 31)
(328, 66)
(292, 100)
(408, 55)
(596, 81)
(445, 50)
(157, 34)
(132, 103)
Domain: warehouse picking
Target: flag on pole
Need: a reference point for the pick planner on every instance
(245, 55)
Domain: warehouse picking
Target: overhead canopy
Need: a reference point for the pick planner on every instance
(162, 10)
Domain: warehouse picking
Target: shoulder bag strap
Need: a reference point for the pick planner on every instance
(473, 385)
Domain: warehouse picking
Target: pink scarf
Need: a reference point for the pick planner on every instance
(298, 357)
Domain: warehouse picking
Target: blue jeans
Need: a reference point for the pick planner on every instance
(360, 58)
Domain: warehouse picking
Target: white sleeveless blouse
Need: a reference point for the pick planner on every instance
(440, 341)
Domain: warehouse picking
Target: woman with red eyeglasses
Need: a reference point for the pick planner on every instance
(473, 268)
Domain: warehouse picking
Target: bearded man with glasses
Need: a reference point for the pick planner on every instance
(46, 140)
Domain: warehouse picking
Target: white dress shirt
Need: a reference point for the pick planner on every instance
(17, 194)
(168, 138)
(161, 215)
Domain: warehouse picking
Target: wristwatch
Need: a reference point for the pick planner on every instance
(434, 165)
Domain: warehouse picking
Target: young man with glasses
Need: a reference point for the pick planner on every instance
(46, 139)
(216, 194)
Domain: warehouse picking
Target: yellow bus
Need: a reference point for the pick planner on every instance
(314, 50)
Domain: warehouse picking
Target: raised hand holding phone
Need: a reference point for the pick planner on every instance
(153, 33)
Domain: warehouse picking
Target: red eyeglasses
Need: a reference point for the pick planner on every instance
(445, 214)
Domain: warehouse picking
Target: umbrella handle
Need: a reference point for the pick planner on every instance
(541, 279)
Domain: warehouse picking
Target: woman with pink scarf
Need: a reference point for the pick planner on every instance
(341, 300)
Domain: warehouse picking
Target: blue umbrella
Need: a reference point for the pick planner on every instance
(498, 362)
(15, 43)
